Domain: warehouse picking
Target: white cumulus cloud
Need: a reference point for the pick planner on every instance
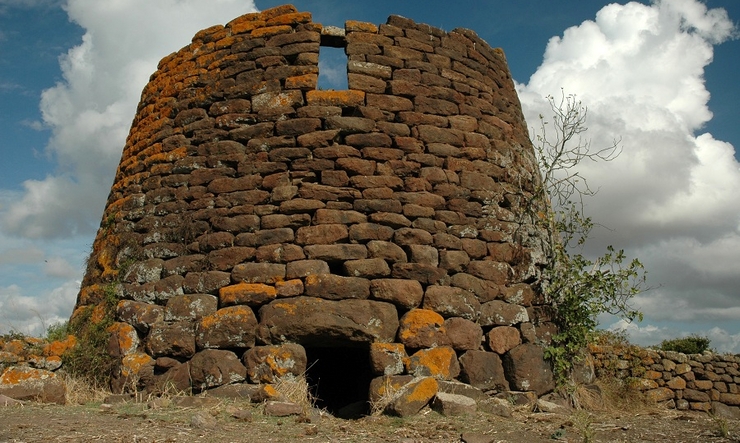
(670, 198)
(91, 109)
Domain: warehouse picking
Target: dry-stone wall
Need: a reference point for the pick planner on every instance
(702, 382)
(258, 226)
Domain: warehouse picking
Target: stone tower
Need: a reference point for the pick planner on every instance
(258, 226)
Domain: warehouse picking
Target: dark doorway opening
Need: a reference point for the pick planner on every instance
(339, 378)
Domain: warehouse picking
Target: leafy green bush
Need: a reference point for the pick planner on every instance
(693, 344)
(581, 288)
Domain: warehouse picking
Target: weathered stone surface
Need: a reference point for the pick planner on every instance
(387, 358)
(230, 327)
(451, 405)
(336, 287)
(451, 302)
(138, 314)
(422, 328)
(463, 334)
(440, 362)
(403, 293)
(171, 339)
(24, 383)
(252, 294)
(527, 370)
(414, 396)
(266, 364)
(502, 339)
(282, 409)
(190, 307)
(497, 312)
(483, 370)
(384, 389)
(658, 394)
(212, 367)
(309, 320)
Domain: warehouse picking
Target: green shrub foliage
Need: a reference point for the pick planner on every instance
(693, 344)
(580, 287)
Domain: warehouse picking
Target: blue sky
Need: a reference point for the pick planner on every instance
(662, 76)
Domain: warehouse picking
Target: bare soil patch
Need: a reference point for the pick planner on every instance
(229, 421)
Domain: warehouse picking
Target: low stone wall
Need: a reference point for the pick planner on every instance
(702, 382)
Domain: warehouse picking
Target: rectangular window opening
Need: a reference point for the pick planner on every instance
(332, 68)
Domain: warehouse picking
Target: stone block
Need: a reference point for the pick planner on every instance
(229, 327)
(422, 328)
(310, 320)
(440, 362)
(267, 364)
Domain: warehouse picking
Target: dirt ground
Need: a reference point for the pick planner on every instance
(230, 421)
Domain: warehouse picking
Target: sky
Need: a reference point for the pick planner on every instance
(660, 75)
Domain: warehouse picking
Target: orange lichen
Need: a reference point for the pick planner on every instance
(350, 97)
(270, 391)
(270, 31)
(270, 13)
(98, 314)
(293, 18)
(422, 391)
(420, 320)
(133, 363)
(244, 292)
(239, 313)
(59, 347)
(358, 26)
(14, 347)
(436, 361)
(166, 157)
(306, 81)
(19, 374)
(126, 336)
(289, 308)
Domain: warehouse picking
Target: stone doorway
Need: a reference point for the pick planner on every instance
(339, 378)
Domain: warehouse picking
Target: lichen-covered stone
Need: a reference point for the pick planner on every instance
(267, 364)
(230, 327)
(311, 320)
(422, 328)
(212, 367)
(440, 362)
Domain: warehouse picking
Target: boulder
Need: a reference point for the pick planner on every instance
(449, 301)
(230, 327)
(463, 335)
(171, 339)
(451, 405)
(440, 362)
(266, 364)
(422, 328)
(213, 367)
(24, 383)
(387, 358)
(483, 370)
(502, 339)
(527, 370)
(413, 396)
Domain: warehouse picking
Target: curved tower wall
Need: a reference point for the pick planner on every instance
(253, 214)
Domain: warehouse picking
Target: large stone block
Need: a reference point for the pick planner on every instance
(309, 321)
(527, 370)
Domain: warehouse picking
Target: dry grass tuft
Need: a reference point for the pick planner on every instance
(295, 389)
(389, 395)
(80, 391)
(611, 395)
